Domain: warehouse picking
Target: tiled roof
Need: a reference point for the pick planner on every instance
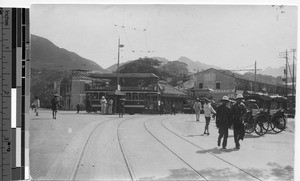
(169, 90)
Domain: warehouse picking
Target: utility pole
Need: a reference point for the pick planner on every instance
(286, 73)
(118, 78)
(255, 84)
(294, 51)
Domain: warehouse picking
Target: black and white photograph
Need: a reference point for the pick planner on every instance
(162, 92)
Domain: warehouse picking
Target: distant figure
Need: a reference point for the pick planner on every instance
(197, 108)
(110, 106)
(208, 111)
(161, 108)
(223, 121)
(173, 109)
(121, 107)
(78, 108)
(54, 106)
(36, 104)
(103, 103)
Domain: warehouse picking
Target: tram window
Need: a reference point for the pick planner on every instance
(128, 96)
(142, 96)
(135, 96)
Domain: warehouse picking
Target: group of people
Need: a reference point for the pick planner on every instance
(54, 105)
(162, 108)
(226, 117)
(106, 106)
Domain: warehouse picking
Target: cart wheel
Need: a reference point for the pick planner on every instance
(278, 124)
(249, 128)
(248, 124)
(262, 125)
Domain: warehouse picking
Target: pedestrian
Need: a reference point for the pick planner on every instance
(173, 109)
(103, 103)
(110, 106)
(121, 107)
(223, 121)
(36, 105)
(208, 111)
(54, 106)
(238, 110)
(197, 108)
(161, 108)
(78, 108)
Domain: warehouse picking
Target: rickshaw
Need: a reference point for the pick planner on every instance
(256, 117)
(277, 119)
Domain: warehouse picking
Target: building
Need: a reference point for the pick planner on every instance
(87, 88)
(217, 83)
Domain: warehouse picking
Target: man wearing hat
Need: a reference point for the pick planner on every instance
(208, 111)
(238, 110)
(197, 108)
(223, 121)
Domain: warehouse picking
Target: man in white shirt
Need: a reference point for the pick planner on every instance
(197, 108)
(208, 111)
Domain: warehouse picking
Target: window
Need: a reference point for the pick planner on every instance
(218, 85)
(200, 85)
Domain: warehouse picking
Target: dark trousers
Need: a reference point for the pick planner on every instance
(223, 133)
(238, 133)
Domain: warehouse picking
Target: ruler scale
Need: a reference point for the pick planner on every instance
(15, 74)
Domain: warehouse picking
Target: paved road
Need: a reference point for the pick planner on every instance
(151, 147)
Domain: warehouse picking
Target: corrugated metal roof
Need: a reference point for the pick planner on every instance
(106, 75)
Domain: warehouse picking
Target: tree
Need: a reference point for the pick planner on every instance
(142, 65)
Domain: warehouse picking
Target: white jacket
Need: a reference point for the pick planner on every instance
(208, 110)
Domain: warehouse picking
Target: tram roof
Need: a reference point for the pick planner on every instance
(110, 75)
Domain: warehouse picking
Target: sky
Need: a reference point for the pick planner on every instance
(228, 36)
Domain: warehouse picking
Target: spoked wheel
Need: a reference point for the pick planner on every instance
(278, 124)
(249, 124)
(262, 125)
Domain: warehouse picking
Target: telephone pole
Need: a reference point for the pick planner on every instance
(286, 73)
(285, 56)
(294, 52)
(255, 70)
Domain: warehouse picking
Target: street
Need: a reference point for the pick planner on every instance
(151, 147)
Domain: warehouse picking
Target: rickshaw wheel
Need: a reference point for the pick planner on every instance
(248, 124)
(262, 125)
(278, 124)
(249, 128)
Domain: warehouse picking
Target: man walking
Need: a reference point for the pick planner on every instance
(197, 108)
(208, 111)
(223, 122)
(173, 109)
(161, 108)
(238, 110)
(54, 105)
(36, 105)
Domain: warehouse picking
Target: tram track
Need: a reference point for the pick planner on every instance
(168, 148)
(79, 160)
(227, 162)
(128, 165)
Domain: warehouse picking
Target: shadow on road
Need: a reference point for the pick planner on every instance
(247, 136)
(216, 150)
(274, 172)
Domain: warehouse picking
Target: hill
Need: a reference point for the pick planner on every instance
(277, 71)
(45, 54)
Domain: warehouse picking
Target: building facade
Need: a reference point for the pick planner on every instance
(217, 83)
